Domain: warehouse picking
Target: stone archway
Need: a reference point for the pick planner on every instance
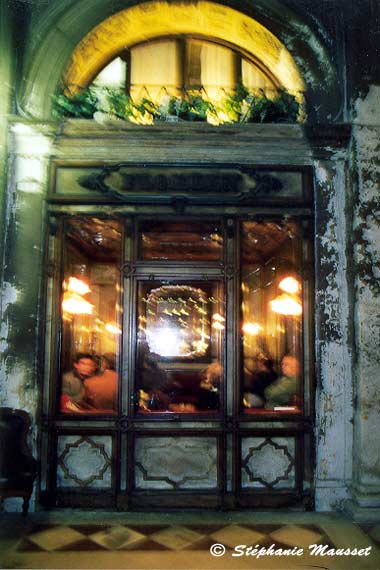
(76, 46)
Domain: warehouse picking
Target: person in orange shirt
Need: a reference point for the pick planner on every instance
(101, 390)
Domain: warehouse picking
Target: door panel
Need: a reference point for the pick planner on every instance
(198, 317)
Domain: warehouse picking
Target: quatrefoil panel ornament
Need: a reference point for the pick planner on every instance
(268, 463)
(84, 461)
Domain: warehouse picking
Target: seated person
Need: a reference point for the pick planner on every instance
(152, 382)
(283, 391)
(258, 375)
(73, 391)
(101, 390)
(208, 392)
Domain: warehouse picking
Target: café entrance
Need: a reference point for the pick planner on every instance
(179, 338)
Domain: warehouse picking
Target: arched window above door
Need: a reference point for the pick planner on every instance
(170, 66)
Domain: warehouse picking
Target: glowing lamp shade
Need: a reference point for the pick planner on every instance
(252, 328)
(289, 285)
(217, 317)
(286, 305)
(217, 326)
(75, 285)
(113, 329)
(75, 305)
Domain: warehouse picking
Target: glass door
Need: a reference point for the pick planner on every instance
(178, 362)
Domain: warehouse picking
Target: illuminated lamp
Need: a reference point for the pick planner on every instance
(252, 328)
(75, 285)
(114, 329)
(74, 304)
(218, 317)
(286, 305)
(218, 326)
(289, 285)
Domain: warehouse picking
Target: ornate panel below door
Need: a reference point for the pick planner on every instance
(268, 463)
(84, 461)
(176, 463)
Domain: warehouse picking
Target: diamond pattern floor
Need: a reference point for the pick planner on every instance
(158, 541)
(51, 538)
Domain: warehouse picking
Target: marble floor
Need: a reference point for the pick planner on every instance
(84, 539)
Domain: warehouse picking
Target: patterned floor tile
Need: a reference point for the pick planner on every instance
(203, 543)
(176, 537)
(148, 529)
(88, 529)
(262, 528)
(146, 545)
(55, 537)
(294, 535)
(374, 533)
(28, 546)
(85, 545)
(233, 535)
(205, 529)
(117, 537)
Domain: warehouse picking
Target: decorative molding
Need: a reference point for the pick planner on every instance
(182, 184)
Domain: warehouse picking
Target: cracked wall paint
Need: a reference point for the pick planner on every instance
(19, 328)
(366, 164)
(334, 392)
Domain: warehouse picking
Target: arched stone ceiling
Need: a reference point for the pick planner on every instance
(161, 18)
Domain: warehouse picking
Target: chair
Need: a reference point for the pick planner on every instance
(18, 468)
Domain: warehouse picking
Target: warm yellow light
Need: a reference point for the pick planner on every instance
(218, 317)
(252, 328)
(218, 326)
(75, 285)
(286, 305)
(289, 285)
(76, 305)
(114, 329)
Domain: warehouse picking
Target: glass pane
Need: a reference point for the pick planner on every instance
(180, 340)
(91, 316)
(272, 316)
(181, 241)
(210, 66)
(155, 70)
(255, 80)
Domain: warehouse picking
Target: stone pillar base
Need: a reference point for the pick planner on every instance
(361, 514)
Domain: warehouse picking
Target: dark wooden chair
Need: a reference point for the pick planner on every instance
(18, 468)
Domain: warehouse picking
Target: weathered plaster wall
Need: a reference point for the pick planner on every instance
(20, 373)
(366, 165)
(333, 338)
(6, 81)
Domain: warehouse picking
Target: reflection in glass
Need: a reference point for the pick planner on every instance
(181, 241)
(179, 347)
(271, 316)
(90, 315)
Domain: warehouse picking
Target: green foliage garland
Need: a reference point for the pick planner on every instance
(240, 106)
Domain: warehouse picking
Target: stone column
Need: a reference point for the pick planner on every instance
(366, 167)
(20, 366)
(333, 314)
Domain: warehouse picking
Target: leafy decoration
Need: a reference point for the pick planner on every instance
(239, 106)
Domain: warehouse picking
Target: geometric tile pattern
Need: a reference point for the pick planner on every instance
(161, 537)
